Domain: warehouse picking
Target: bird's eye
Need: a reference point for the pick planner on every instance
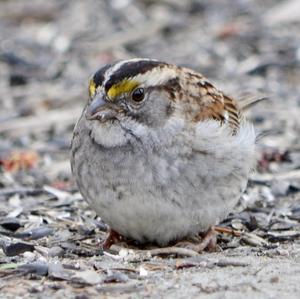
(138, 95)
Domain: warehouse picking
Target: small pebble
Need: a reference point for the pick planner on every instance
(283, 252)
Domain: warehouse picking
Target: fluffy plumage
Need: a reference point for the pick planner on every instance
(162, 166)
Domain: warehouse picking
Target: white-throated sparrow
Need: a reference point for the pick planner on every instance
(159, 152)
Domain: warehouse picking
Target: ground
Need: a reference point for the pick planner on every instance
(49, 236)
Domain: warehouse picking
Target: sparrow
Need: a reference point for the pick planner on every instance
(159, 152)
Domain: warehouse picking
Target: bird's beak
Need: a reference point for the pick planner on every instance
(100, 109)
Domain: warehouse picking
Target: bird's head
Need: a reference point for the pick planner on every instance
(129, 98)
(136, 88)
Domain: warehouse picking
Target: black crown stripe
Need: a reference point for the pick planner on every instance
(131, 69)
(98, 78)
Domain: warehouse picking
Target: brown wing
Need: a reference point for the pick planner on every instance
(216, 105)
(200, 100)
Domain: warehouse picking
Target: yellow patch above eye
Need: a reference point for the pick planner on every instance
(92, 87)
(124, 86)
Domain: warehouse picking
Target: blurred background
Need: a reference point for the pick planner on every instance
(49, 50)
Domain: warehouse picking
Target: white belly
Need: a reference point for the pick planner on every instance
(160, 201)
(151, 217)
(165, 194)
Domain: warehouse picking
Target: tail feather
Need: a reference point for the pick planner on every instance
(247, 102)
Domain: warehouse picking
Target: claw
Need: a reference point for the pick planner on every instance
(112, 238)
(209, 242)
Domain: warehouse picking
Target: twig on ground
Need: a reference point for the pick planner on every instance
(172, 251)
(147, 253)
(228, 230)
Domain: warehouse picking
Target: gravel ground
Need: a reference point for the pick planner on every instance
(49, 236)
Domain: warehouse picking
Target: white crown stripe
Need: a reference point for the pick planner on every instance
(119, 65)
(154, 77)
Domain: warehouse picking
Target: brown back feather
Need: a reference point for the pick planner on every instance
(213, 104)
(200, 100)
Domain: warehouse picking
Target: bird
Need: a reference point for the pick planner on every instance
(159, 152)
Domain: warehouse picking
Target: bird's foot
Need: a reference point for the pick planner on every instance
(208, 242)
(112, 238)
